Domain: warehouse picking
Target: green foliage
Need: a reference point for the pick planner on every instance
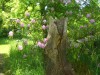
(26, 62)
(84, 36)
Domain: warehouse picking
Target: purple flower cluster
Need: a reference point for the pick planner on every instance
(27, 14)
(11, 33)
(20, 47)
(44, 27)
(17, 21)
(88, 15)
(42, 44)
(33, 21)
(22, 24)
(28, 25)
(92, 21)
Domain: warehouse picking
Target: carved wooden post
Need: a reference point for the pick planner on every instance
(55, 50)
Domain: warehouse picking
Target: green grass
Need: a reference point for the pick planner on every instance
(31, 64)
(5, 45)
(29, 61)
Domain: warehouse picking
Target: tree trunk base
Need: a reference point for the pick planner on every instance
(55, 51)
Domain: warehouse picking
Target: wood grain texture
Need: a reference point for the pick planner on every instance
(55, 50)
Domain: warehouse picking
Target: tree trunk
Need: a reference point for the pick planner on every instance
(55, 50)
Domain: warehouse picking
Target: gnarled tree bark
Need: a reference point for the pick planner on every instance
(55, 50)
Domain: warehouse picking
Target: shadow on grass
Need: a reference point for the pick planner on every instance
(3, 63)
(4, 41)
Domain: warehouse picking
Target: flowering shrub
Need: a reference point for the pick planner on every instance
(27, 14)
(41, 45)
(92, 21)
(44, 27)
(17, 21)
(26, 21)
(11, 33)
(20, 47)
(33, 21)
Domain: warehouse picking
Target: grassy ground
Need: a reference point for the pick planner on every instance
(26, 62)
(5, 45)
(15, 62)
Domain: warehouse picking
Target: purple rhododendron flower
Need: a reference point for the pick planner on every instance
(28, 25)
(41, 45)
(20, 47)
(27, 14)
(45, 40)
(17, 21)
(33, 21)
(88, 15)
(92, 21)
(22, 25)
(44, 27)
(81, 26)
(11, 33)
(47, 27)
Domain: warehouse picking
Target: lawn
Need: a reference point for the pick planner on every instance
(5, 45)
(25, 62)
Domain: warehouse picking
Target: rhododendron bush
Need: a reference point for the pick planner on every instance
(29, 20)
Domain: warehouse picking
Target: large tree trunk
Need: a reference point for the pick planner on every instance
(55, 50)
